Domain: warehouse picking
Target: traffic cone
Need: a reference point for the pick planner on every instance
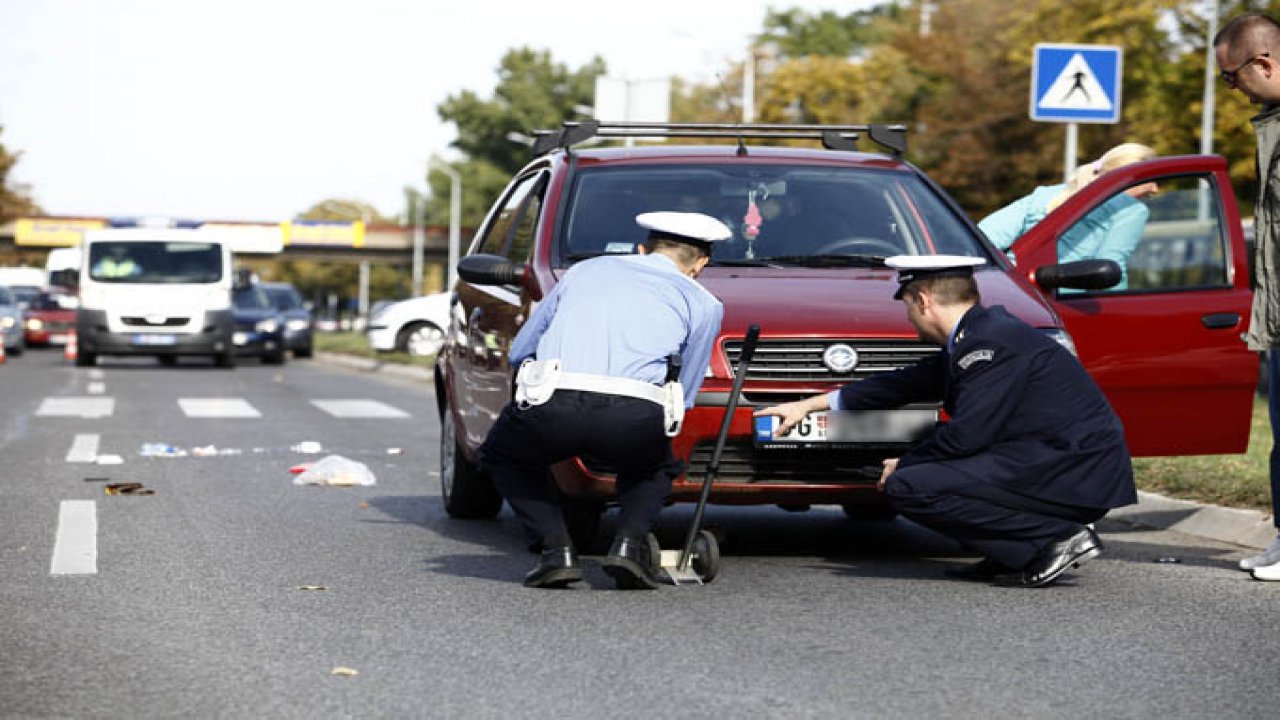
(3, 355)
(70, 351)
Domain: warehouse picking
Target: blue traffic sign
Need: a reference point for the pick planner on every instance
(1076, 83)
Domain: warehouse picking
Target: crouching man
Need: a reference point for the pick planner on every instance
(594, 362)
(1032, 452)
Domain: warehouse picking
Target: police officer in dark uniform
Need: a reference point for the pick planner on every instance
(1032, 453)
(594, 379)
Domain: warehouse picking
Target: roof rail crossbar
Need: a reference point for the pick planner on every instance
(833, 137)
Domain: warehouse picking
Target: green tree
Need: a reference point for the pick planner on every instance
(15, 202)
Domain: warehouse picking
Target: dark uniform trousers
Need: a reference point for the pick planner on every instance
(994, 522)
(624, 432)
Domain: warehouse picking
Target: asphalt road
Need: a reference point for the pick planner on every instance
(232, 592)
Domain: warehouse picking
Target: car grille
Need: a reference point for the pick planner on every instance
(142, 322)
(801, 360)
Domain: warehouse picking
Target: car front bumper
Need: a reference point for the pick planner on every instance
(93, 336)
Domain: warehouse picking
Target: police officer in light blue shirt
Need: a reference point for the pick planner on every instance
(595, 358)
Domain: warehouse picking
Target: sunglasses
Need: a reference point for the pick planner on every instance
(1230, 76)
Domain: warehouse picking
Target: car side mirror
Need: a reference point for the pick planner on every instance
(489, 270)
(68, 278)
(1079, 275)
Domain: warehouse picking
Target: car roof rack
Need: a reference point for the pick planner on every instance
(833, 137)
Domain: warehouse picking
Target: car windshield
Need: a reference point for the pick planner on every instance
(6, 297)
(155, 262)
(284, 298)
(55, 301)
(780, 215)
(251, 298)
(24, 293)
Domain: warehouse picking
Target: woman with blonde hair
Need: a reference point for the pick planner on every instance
(1110, 232)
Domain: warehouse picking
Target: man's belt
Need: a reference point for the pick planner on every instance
(612, 386)
(537, 381)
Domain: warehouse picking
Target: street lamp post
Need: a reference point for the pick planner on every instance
(455, 216)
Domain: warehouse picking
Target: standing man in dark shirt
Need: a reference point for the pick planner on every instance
(1032, 452)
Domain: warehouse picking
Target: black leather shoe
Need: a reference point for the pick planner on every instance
(985, 570)
(557, 568)
(1056, 558)
(631, 565)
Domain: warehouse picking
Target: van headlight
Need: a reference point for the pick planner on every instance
(7, 322)
(33, 323)
(1062, 339)
(269, 325)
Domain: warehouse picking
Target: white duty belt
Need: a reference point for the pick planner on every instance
(537, 381)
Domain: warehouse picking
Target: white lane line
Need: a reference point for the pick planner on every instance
(359, 409)
(217, 408)
(96, 388)
(84, 448)
(96, 374)
(84, 407)
(75, 552)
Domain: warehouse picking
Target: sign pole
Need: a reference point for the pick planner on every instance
(1071, 151)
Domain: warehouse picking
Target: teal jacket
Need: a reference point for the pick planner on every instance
(1110, 232)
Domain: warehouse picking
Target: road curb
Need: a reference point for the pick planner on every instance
(1249, 528)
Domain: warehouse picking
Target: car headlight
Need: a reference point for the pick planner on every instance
(296, 324)
(269, 325)
(33, 323)
(1062, 338)
(7, 322)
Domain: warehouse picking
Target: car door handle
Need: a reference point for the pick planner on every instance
(1219, 321)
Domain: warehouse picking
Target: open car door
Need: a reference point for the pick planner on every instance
(1165, 343)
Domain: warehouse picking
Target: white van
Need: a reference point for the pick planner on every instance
(154, 291)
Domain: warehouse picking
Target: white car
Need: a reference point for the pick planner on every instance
(416, 326)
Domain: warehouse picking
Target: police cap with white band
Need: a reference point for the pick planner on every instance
(917, 267)
(685, 226)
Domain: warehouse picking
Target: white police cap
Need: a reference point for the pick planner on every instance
(691, 226)
(916, 267)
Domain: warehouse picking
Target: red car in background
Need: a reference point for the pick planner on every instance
(51, 317)
(812, 228)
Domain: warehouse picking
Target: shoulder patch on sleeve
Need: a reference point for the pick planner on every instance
(975, 356)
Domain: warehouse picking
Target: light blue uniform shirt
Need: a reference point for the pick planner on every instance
(1110, 231)
(621, 316)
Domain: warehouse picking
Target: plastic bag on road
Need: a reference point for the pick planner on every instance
(336, 470)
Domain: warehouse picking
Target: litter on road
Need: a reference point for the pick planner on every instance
(160, 450)
(129, 488)
(308, 447)
(336, 470)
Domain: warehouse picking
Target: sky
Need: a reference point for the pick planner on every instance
(257, 109)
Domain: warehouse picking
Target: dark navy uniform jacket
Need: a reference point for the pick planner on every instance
(1024, 414)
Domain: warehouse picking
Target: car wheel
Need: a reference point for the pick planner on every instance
(304, 352)
(275, 358)
(86, 359)
(420, 339)
(226, 359)
(466, 492)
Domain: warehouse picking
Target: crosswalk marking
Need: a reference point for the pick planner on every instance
(359, 409)
(75, 549)
(96, 388)
(84, 448)
(95, 374)
(84, 407)
(217, 408)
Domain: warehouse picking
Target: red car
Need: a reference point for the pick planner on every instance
(811, 230)
(51, 317)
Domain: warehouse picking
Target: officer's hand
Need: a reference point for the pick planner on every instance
(890, 466)
(789, 414)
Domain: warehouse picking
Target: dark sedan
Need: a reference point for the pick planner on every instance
(259, 326)
(298, 323)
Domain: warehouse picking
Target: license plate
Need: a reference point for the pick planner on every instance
(849, 428)
(154, 339)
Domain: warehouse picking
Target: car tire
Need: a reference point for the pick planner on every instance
(86, 359)
(464, 488)
(420, 339)
(275, 358)
(225, 360)
(304, 352)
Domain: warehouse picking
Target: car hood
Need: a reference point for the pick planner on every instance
(799, 301)
(253, 315)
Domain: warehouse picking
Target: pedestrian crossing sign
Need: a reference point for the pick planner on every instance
(1076, 83)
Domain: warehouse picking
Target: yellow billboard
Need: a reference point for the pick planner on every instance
(52, 232)
(335, 234)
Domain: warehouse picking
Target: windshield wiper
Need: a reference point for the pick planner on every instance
(828, 260)
(726, 262)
